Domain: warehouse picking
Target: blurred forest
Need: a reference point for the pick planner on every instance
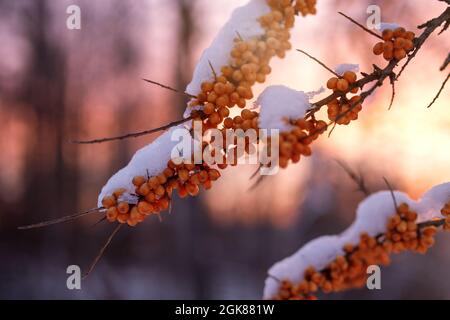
(58, 84)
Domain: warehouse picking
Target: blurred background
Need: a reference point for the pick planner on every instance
(58, 84)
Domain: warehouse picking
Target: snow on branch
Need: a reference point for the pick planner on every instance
(372, 219)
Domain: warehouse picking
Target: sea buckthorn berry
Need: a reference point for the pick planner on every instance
(160, 191)
(399, 54)
(192, 189)
(207, 87)
(378, 48)
(109, 202)
(387, 34)
(399, 43)
(153, 182)
(123, 207)
(183, 175)
(150, 197)
(409, 35)
(162, 178)
(111, 214)
(342, 85)
(399, 32)
(228, 123)
(139, 181)
(123, 218)
(224, 112)
(214, 118)
(144, 189)
(209, 108)
(332, 83)
(119, 192)
(227, 71)
(214, 175)
(350, 76)
(145, 208)
(408, 45)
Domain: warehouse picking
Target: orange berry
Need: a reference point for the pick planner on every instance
(342, 85)
(192, 189)
(112, 214)
(214, 118)
(153, 182)
(119, 192)
(123, 207)
(139, 181)
(123, 217)
(162, 179)
(150, 197)
(222, 101)
(350, 76)
(145, 208)
(224, 112)
(209, 108)
(409, 35)
(228, 123)
(408, 45)
(219, 88)
(378, 48)
(207, 86)
(108, 202)
(388, 55)
(214, 175)
(160, 191)
(332, 83)
(207, 184)
(182, 192)
(399, 43)
(387, 34)
(144, 189)
(399, 32)
(399, 54)
(183, 175)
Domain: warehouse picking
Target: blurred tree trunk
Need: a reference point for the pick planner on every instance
(193, 226)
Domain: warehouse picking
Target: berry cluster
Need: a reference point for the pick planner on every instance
(153, 194)
(397, 43)
(446, 213)
(341, 109)
(249, 64)
(350, 270)
(306, 7)
(295, 143)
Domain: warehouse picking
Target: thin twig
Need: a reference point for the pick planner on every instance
(432, 223)
(60, 220)
(134, 134)
(102, 251)
(212, 69)
(170, 88)
(255, 173)
(439, 92)
(361, 26)
(392, 79)
(392, 193)
(445, 64)
(257, 183)
(319, 62)
(430, 27)
(358, 179)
